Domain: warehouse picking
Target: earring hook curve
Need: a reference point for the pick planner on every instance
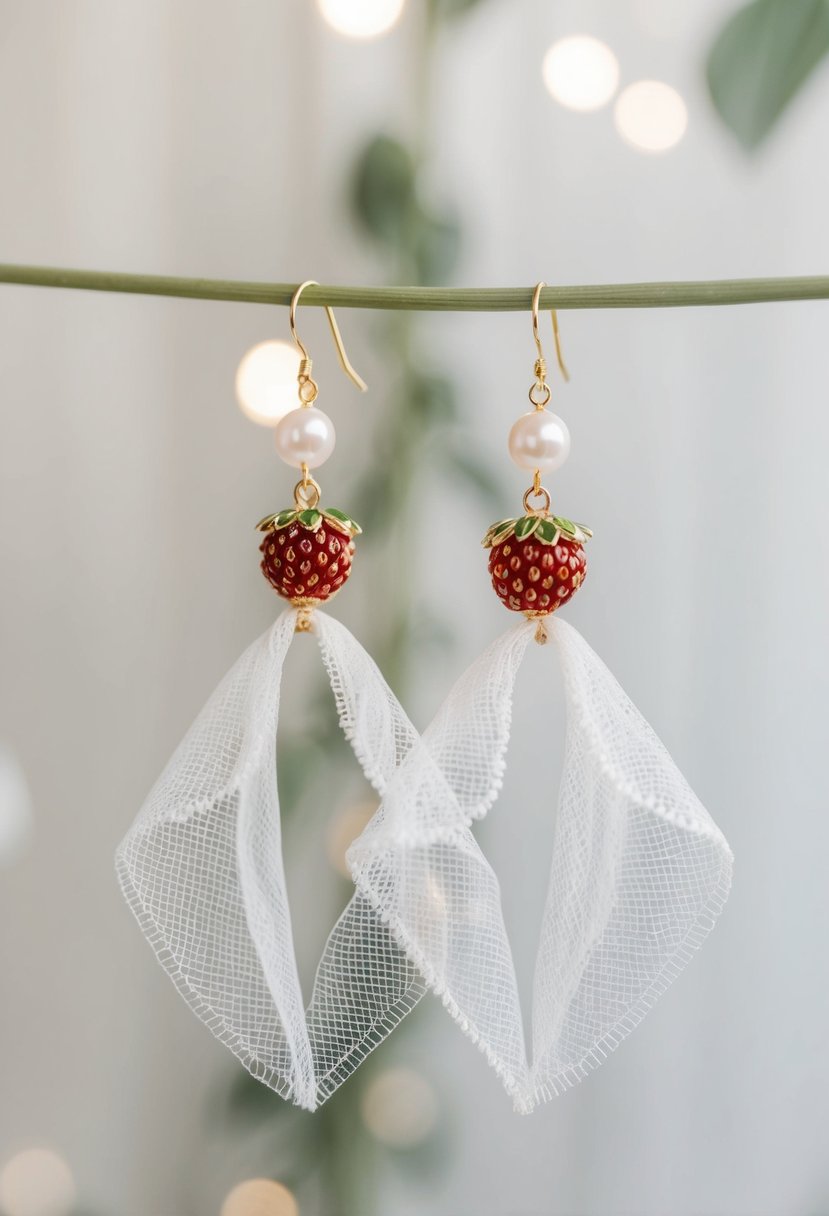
(556, 335)
(345, 363)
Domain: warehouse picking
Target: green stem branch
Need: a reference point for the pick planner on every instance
(700, 293)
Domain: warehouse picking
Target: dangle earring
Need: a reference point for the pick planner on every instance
(639, 869)
(307, 550)
(202, 865)
(537, 562)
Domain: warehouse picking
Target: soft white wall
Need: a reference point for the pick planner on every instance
(212, 138)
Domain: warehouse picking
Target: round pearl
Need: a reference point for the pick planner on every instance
(305, 436)
(539, 440)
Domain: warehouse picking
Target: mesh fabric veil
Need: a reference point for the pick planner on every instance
(202, 870)
(639, 871)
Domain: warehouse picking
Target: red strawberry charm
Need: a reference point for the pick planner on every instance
(536, 562)
(307, 554)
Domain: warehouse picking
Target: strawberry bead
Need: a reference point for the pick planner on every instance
(307, 555)
(536, 563)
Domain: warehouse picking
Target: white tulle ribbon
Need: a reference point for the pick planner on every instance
(639, 871)
(202, 870)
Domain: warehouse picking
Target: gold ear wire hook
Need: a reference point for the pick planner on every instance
(556, 335)
(345, 364)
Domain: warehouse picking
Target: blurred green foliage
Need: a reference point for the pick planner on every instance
(387, 205)
(384, 188)
(453, 8)
(329, 1158)
(761, 60)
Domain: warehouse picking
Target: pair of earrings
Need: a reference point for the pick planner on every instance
(639, 871)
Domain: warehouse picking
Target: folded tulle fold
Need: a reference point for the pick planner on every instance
(639, 870)
(202, 869)
(639, 873)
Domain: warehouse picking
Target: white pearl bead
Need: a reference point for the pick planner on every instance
(539, 440)
(305, 436)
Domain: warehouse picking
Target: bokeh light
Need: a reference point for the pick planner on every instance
(343, 830)
(362, 18)
(15, 809)
(400, 1108)
(260, 1197)
(36, 1182)
(581, 72)
(266, 382)
(651, 116)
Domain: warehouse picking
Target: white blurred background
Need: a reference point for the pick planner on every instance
(215, 139)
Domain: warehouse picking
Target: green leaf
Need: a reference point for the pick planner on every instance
(564, 525)
(504, 532)
(433, 398)
(547, 532)
(340, 517)
(279, 520)
(497, 527)
(526, 526)
(310, 519)
(338, 525)
(500, 531)
(437, 246)
(761, 59)
(384, 189)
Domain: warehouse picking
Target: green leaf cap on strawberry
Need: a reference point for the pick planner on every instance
(307, 552)
(546, 529)
(311, 519)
